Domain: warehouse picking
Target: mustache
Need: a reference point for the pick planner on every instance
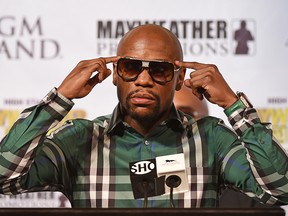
(146, 93)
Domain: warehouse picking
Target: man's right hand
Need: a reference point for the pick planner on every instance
(80, 81)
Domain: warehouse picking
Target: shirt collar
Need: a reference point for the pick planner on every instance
(177, 120)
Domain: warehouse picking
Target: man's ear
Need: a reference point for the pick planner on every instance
(114, 75)
(180, 79)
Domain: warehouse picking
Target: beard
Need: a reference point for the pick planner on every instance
(140, 114)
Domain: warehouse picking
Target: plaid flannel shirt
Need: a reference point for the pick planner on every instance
(88, 161)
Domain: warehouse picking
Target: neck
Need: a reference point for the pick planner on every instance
(143, 127)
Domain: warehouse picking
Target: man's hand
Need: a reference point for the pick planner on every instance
(80, 81)
(207, 80)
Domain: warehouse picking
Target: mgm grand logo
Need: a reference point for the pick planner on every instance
(25, 38)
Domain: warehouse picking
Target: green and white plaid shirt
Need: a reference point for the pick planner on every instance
(89, 160)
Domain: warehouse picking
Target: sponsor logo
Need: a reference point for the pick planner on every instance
(22, 37)
(244, 33)
(170, 162)
(142, 167)
(277, 116)
(198, 37)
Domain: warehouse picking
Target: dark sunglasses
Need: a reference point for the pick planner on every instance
(160, 71)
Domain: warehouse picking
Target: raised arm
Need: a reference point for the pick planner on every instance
(18, 148)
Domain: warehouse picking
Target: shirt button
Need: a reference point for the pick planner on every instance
(146, 142)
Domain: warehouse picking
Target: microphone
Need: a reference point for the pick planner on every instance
(162, 175)
(173, 168)
(173, 181)
(144, 180)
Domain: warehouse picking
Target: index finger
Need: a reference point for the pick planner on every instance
(191, 65)
(111, 59)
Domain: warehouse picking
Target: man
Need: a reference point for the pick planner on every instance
(89, 160)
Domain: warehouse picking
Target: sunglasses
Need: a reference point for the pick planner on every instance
(160, 71)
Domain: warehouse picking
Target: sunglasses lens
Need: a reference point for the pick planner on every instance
(161, 72)
(129, 69)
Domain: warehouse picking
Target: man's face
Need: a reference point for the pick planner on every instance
(144, 99)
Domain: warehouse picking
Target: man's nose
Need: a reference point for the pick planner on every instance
(144, 78)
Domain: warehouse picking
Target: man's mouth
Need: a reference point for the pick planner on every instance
(142, 99)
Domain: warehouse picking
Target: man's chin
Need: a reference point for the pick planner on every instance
(144, 114)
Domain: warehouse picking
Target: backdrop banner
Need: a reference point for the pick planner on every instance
(42, 41)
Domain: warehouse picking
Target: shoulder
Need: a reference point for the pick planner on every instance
(72, 129)
(102, 121)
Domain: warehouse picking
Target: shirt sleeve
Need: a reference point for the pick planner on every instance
(18, 147)
(267, 158)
